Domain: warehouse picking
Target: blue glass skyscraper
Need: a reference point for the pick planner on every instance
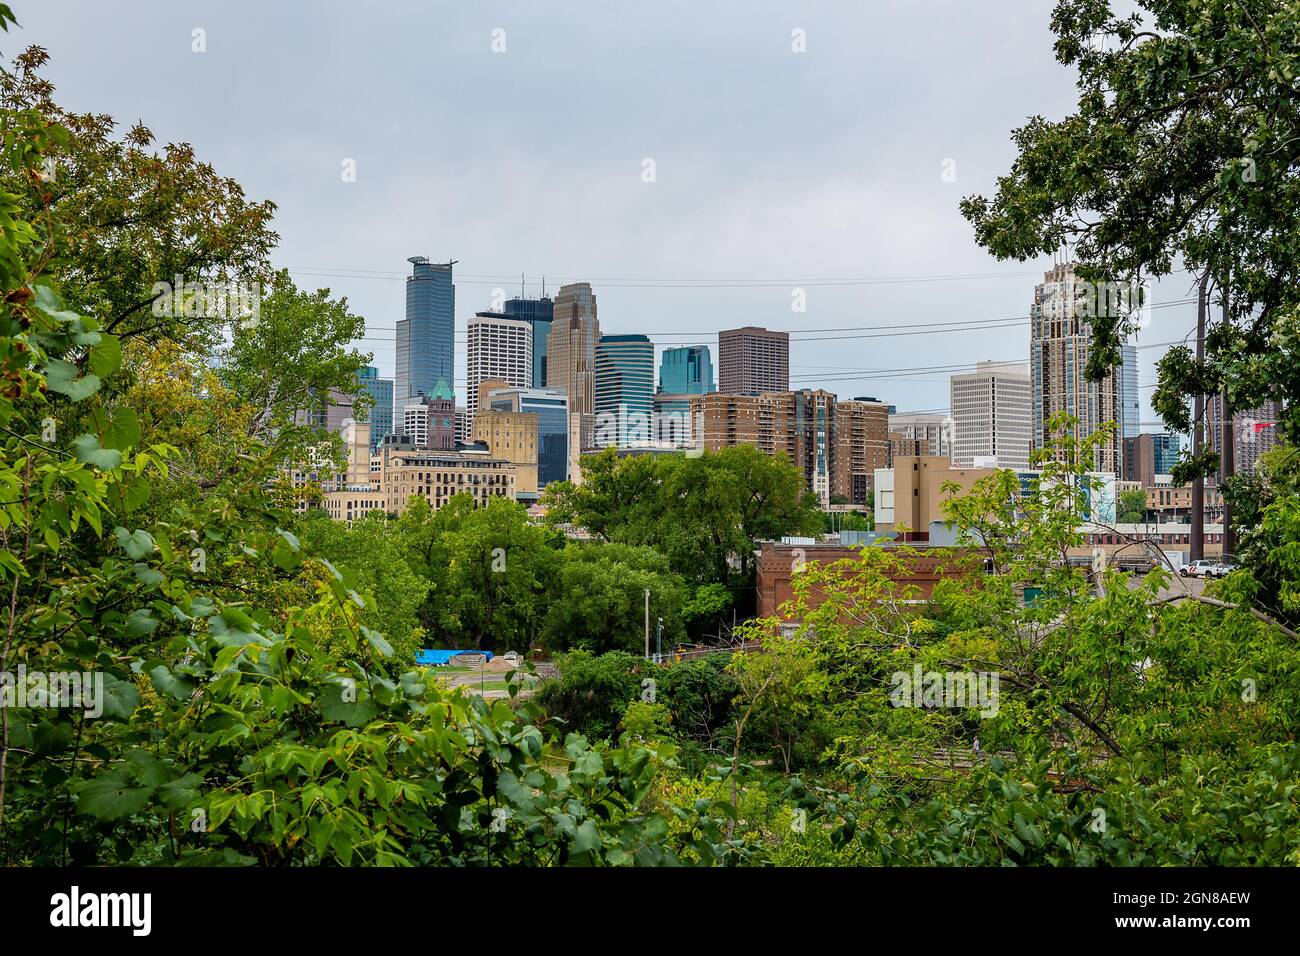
(686, 371)
(538, 313)
(426, 337)
(381, 413)
(625, 378)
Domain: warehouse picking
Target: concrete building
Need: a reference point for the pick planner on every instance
(429, 421)
(933, 429)
(990, 414)
(1060, 341)
(753, 360)
(862, 446)
(624, 397)
(1147, 455)
(837, 445)
(499, 349)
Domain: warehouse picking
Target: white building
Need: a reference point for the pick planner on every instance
(991, 415)
(500, 348)
(933, 428)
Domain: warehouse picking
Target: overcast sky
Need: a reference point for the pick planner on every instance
(773, 169)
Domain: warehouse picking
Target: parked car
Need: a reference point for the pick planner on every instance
(1222, 570)
(1197, 569)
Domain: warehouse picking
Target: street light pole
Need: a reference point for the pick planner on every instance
(647, 624)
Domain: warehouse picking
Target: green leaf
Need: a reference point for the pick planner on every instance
(106, 356)
(89, 450)
(113, 796)
(120, 698)
(62, 377)
(124, 430)
(585, 837)
(137, 544)
(168, 683)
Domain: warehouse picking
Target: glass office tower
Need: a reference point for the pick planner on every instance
(426, 337)
(625, 376)
(381, 413)
(538, 313)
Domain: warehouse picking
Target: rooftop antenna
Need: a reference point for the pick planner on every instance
(521, 285)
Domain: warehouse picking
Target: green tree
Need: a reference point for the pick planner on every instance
(1132, 506)
(599, 600)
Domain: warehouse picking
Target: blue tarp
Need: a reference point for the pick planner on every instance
(439, 658)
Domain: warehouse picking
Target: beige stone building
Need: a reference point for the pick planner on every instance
(512, 437)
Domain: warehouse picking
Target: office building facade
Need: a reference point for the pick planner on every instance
(551, 408)
(538, 313)
(381, 410)
(753, 360)
(991, 416)
(624, 399)
(498, 348)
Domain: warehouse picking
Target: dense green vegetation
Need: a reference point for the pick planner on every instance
(261, 706)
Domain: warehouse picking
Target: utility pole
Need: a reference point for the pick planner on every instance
(1198, 421)
(659, 637)
(1227, 457)
(647, 624)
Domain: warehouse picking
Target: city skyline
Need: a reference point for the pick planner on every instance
(740, 203)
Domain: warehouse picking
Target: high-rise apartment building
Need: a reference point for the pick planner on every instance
(837, 445)
(499, 348)
(381, 410)
(932, 429)
(550, 406)
(862, 439)
(1254, 431)
(753, 360)
(539, 314)
(1060, 339)
(625, 377)
(571, 364)
(991, 417)
(426, 337)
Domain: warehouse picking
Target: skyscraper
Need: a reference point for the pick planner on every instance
(686, 371)
(1060, 339)
(625, 376)
(990, 414)
(1254, 431)
(381, 413)
(571, 363)
(1130, 397)
(683, 372)
(426, 337)
(753, 360)
(499, 347)
(539, 314)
